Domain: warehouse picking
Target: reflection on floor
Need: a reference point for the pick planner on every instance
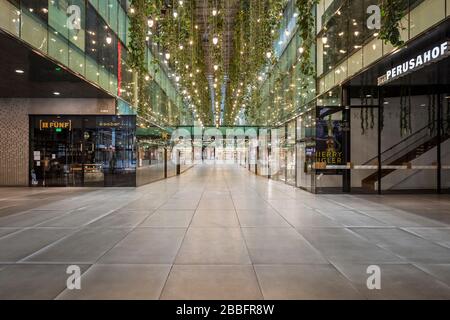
(219, 232)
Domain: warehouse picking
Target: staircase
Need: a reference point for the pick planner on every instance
(402, 153)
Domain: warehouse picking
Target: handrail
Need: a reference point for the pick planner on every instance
(401, 142)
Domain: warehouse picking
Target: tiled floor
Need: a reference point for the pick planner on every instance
(219, 232)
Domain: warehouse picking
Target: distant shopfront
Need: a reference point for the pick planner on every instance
(83, 151)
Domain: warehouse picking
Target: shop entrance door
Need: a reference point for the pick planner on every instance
(57, 158)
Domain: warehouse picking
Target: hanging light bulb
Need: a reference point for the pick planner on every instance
(214, 12)
(215, 40)
(175, 14)
(108, 39)
(269, 55)
(216, 67)
(150, 23)
(167, 56)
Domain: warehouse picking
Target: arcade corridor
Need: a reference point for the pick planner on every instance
(220, 232)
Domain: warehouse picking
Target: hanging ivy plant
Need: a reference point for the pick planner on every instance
(405, 112)
(432, 114)
(141, 10)
(392, 12)
(307, 26)
(138, 33)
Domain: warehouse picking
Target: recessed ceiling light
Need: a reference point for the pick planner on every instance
(20, 71)
(56, 93)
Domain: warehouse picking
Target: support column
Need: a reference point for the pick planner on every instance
(379, 128)
(439, 146)
(346, 118)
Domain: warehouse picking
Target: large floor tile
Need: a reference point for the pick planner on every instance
(343, 245)
(146, 246)
(169, 219)
(295, 282)
(30, 218)
(22, 244)
(352, 218)
(120, 282)
(244, 203)
(35, 282)
(144, 205)
(212, 283)
(307, 218)
(279, 246)
(261, 218)
(438, 235)
(77, 219)
(404, 244)
(180, 204)
(213, 246)
(121, 220)
(85, 246)
(215, 218)
(438, 271)
(399, 218)
(402, 281)
(216, 204)
(6, 231)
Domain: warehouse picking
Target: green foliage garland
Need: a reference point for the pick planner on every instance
(392, 12)
(307, 26)
(142, 9)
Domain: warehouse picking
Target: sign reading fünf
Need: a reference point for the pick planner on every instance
(55, 125)
(433, 55)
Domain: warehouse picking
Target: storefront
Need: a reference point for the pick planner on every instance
(82, 151)
(386, 130)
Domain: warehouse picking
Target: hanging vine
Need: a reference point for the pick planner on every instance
(372, 116)
(255, 30)
(141, 10)
(392, 12)
(405, 109)
(307, 26)
(432, 114)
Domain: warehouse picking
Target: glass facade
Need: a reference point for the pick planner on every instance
(90, 38)
(345, 45)
(88, 151)
(357, 136)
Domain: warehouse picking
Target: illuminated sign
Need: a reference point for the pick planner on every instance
(56, 125)
(110, 124)
(433, 55)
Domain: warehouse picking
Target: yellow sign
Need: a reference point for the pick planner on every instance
(55, 124)
(329, 157)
